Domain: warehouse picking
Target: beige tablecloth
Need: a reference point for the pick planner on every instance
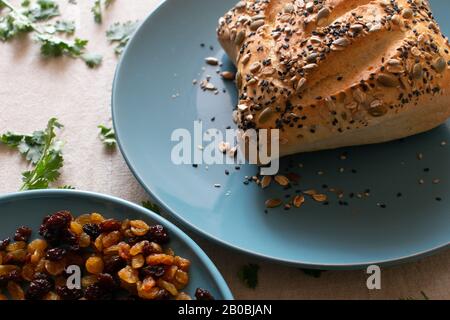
(32, 90)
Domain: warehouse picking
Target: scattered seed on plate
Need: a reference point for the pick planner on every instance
(421, 181)
(212, 61)
(265, 181)
(282, 180)
(217, 185)
(299, 201)
(443, 143)
(436, 181)
(420, 156)
(273, 203)
(319, 197)
(228, 75)
(310, 192)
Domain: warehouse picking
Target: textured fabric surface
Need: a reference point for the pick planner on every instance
(33, 89)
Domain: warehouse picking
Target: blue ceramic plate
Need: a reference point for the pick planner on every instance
(29, 208)
(396, 219)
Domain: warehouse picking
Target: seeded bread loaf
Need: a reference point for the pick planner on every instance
(335, 73)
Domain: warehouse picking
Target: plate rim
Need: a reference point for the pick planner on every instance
(207, 235)
(190, 243)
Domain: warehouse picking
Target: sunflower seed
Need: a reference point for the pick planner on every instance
(320, 197)
(417, 72)
(407, 13)
(265, 115)
(256, 24)
(300, 85)
(228, 75)
(239, 37)
(255, 67)
(322, 15)
(289, 8)
(310, 192)
(212, 61)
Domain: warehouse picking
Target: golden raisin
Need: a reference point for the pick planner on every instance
(51, 296)
(97, 218)
(111, 239)
(3, 297)
(85, 240)
(113, 250)
(86, 281)
(149, 294)
(182, 263)
(129, 275)
(170, 273)
(94, 265)
(160, 258)
(99, 243)
(139, 227)
(84, 219)
(37, 244)
(137, 261)
(16, 246)
(167, 286)
(28, 272)
(183, 296)
(15, 291)
(37, 256)
(125, 225)
(124, 250)
(76, 228)
(181, 277)
(18, 255)
(55, 268)
(6, 269)
(138, 248)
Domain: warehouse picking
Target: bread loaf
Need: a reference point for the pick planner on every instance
(335, 73)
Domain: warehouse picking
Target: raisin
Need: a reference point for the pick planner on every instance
(202, 294)
(106, 282)
(113, 264)
(38, 288)
(56, 254)
(15, 276)
(92, 230)
(22, 234)
(153, 271)
(41, 275)
(158, 234)
(97, 292)
(110, 225)
(4, 243)
(69, 294)
(54, 227)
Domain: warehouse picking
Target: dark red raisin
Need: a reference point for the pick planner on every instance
(96, 292)
(4, 243)
(22, 234)
(38, 288)
(15, 276)
(41, 275)
(92, 230)
(110, 225)
(202, 294)
(153, 271)
(158, 234)
(54, 227)
(163, 295)
(69, 294)
(56, 254)
(106, 281)
(113, 264)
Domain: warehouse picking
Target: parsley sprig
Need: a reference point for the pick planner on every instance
(44, 152)
(120, 34)
(17, 21)
(107, 136)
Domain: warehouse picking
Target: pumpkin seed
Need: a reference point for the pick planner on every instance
(255, 25)
(240, 37)
(439, 65)
(388, 80)
(417, 72)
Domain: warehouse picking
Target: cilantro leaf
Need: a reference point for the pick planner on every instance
(92, 60)
(31, 146)
(97, 11)
(248, 274)
(48, 165)
(120, 34)
(42, 10)
(65, 26)
(107, 136)
(151, 206)
(52, 46)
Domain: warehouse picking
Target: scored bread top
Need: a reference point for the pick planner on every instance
(326, 67)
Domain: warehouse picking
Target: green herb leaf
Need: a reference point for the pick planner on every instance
(248, 274)
(67, 187)
(151, 206)
(48, 165)
(42, 10)
(120, 34)
(92, 60)
(97, 11)
(65, 26)
(108, 136)
(52, 46)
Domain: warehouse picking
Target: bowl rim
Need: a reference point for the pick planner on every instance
(173, 229)
(264, 257)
